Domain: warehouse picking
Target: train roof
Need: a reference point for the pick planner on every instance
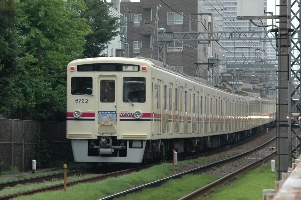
(159, 65)
(108, 59)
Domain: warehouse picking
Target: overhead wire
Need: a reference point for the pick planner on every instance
(235, 30)
(167, 35)
(189, 18)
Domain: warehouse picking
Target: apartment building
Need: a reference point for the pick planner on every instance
(159, 29)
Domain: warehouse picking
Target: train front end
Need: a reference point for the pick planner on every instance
(109, 109)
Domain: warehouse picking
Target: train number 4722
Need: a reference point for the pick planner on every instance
(81, 101)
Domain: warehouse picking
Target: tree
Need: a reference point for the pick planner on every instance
(53, 33)
(104, 27)
(8, 52)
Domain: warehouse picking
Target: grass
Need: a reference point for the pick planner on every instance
(102, 188)
(16, 175)
(173, 189)
(249, 186)
(13, 170)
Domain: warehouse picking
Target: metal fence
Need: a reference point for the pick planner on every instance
(22, 141)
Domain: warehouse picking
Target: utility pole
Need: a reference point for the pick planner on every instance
(284, 143)
(160, 35)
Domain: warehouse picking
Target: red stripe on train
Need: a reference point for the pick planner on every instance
(84, 114)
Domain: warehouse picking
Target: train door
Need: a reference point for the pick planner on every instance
(226, 107)
(157, 108)
(210, 114)
(240, 114)
(197, 112)
(230, 116)
(186, 114)
(176, 120)
(235, 115)
(222, 113)
(193, 115)
(181, 112)
(219, 120)
(201, 130)
(215, 117)
(205, 115)
(170, 109)
(107, 105)
(164, 117)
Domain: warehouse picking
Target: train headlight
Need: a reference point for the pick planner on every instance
(77, 114)
(137, 114)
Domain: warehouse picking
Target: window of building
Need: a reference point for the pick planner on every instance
(119, 53)
(178, 68)
(174, 46)
(137, 19)
(136, 46)
(174, 18)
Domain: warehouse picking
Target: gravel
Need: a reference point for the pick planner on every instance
(228, 168)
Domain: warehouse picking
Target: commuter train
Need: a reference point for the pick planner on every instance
(131, 110)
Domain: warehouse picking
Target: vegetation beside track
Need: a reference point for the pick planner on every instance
(248, 186)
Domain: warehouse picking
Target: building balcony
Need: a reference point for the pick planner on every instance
(146, 29)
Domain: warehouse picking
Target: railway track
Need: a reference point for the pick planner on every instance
(205, 168)
(90, 179)
(70, 183)
(40, 178)
(208, 188)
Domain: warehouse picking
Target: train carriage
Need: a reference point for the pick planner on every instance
(131, 109)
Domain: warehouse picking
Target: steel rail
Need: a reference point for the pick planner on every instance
(198, 169)
(208, 188)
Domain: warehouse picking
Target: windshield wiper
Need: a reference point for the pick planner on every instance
(129, 101)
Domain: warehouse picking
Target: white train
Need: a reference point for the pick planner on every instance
(129, 109)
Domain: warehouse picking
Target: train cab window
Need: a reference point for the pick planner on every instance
(107, 91)
(81, 85)
(134, 89)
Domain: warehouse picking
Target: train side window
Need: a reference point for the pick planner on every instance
(181, 100)
(216, 106)
(211, 105)
(201, 105)
(205, 106)
(107, 91)
(197, 103)
(81, 85)
(176, 99)
(185, 101)
(222, 107)
(193, 104)
(134, 89)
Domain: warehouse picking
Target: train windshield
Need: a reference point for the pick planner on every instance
(107, 91)
(81, 85)
(134, 89)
